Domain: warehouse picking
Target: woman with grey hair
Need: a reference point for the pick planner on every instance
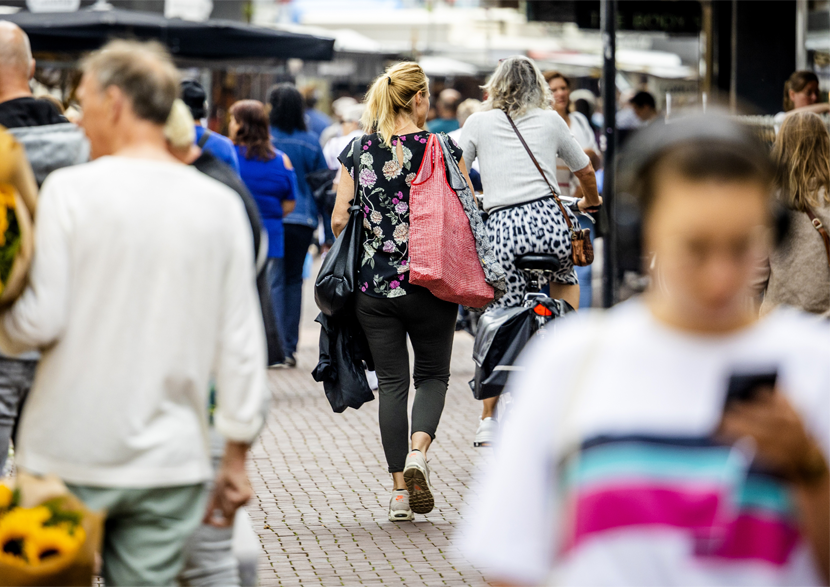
(523, 215)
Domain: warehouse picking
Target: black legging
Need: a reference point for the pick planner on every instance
(430, 324)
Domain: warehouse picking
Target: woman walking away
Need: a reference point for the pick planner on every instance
(290, 135)
(523, 216)
(270, 178)
(798, 271)
(676, 439)
(388, 307)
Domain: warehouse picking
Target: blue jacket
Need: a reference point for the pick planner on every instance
(306, 155)
(270, 183)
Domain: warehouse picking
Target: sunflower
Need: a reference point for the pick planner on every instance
(53, 542)
(6, 496)
(7, 193)
(17, 527)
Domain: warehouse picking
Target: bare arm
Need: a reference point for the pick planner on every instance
(232, 489)
(588, 183)
(463, 167)
(345, 195)
(820, 108)
(289, 205)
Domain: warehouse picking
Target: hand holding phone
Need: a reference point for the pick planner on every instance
(746, 387)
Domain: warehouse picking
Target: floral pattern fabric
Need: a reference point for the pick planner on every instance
(385, 184)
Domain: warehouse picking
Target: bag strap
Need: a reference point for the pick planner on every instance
(357, 145)
(817, 224)
(542, 173)
(204, 139)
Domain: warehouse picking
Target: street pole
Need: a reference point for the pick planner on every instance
(609, 111)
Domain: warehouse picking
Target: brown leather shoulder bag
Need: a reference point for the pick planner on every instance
(582, 251)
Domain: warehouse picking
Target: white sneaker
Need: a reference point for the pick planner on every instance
(399, 510)
(416, 477)
(487, 431)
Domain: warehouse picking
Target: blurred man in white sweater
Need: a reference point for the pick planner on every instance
(142, 287)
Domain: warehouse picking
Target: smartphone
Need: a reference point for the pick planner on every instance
(746, 387)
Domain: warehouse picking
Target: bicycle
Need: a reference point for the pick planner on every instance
(507, 330)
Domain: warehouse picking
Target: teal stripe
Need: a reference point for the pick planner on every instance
(625, 460)
(761, 493)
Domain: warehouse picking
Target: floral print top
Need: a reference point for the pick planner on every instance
(384, 195)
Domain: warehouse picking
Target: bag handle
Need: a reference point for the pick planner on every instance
(357, 145)
(817, 224)
(542, 173)
(204, 138)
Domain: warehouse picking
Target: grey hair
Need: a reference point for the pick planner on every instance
(517, 86)
(143, 71)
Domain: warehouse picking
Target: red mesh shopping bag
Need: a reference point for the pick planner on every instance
(442, 249)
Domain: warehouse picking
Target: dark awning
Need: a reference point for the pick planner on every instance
(85, 30)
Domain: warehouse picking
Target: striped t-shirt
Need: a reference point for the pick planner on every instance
(608, 472)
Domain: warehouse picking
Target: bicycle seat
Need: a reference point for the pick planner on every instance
(537, 262)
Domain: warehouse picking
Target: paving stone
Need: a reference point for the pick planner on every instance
(322, 489)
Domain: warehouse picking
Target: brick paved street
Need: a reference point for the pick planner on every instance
(322, 489)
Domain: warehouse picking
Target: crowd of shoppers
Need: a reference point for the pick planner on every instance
(638, 472)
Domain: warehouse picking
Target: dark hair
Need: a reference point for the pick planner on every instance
(551, 75)
(253, 129)
(641, 99)
(287, 108)
(698, 147)
(584, 107)
(797, 82)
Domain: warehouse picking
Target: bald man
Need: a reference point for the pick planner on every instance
(51, 141)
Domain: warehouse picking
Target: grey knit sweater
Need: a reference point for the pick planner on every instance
(799, 274)
(507, 172)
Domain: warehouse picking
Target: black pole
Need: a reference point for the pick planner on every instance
(609, 111)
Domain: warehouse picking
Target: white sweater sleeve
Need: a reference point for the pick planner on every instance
(240, 360)
(39, 315)
(468, 140)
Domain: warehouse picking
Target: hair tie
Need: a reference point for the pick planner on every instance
(389, 78)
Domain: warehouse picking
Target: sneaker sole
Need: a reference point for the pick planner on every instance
(421, 500)
(401, 516)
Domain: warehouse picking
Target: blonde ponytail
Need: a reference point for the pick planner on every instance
(391, 94)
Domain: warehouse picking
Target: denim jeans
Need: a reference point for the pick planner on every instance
(584, 274)
(276, 278)
(16, 378)
(297, 240)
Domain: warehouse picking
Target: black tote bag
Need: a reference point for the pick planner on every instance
(337, 279)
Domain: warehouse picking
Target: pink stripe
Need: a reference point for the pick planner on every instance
(757, 538)
(643, 505)
(746, 537)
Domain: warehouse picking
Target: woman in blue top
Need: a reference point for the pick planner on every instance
(270, 177)
(290, 135)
